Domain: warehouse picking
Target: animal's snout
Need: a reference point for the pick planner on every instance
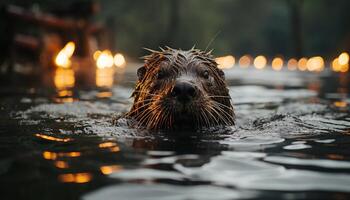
(183, 91)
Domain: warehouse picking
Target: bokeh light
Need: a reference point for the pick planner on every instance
(225, 62)
(245, 61)
(260, 62)
(292, 64)
(277, 63)
(302, 64)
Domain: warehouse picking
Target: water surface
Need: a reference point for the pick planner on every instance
(291, 141)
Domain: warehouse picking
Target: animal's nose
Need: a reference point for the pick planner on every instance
(183, 91)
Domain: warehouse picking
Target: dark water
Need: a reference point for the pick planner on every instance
(291, 141)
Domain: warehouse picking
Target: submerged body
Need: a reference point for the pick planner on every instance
(179, 89)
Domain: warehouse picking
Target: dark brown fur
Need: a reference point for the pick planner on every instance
(155, 109)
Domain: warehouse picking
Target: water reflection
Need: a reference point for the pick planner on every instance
(109, 169)
(64, 78)
(111, 146)
(48, 155)
(75, 178)
(52, 138)
(105, 77)
(61, 164)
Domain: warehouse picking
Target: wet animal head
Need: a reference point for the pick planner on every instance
(179, 89)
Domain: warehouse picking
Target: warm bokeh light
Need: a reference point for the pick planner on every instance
(51, 138)
(225, 62)
(337, 67)
(105, 77)
(244, 61)
(292, 64)
(104, 94)
(344, 68)
(260, 62)
(302, 64)
(61, 164)
(315, 64)
(49, 155)
(64, 78)
(343, 58)
(119, 60)
(277, 63)
(341, 104)
(63, 57)
(110, 169)
(75, 178)
(96, 54)
(69, 154)
(107, 144)
(105, 60)
(53, 155)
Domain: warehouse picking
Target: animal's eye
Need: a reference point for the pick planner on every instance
(160, 74)
(206, 74)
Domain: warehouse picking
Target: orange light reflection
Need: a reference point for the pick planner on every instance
(110, 169)
(51, 138)
(61, 164)
(105, 77)
(75, 178)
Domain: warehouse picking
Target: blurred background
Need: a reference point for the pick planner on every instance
(304, 35)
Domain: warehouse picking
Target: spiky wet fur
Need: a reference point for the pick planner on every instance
(155, 110)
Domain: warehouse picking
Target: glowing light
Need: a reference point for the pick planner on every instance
(225, 62)
(61, 164)
(70, 154)
(75, 178)
(340, 104)
(53, 155)
(343, 58)
(64, 78)
(105, 60)
(97, 54)
(260, 62)
(49, 155)
(114, 149)
(302, 64)
(63, 57)
(107, 144)
(277, 63)
(292, 64)
(337, 67)
(64, 93)
(119, 60)
(110, 169)
(244, 61)
(105, 77)
(344, 68)
(315, 64)
(104, 94)
(112, 146)
(51, 138)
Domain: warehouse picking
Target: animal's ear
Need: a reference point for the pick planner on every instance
(141, 72)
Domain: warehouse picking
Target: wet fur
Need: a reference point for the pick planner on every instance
(153, 107)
